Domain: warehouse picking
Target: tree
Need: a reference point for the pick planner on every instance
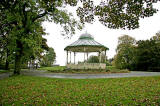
(35, 58)
(93, 59)
(24, 28)
(156, 37)
(30, 13)
(148, 54)
(103, 57)
(125, 52)
(5, 51)
(48, 58)
(117, 13)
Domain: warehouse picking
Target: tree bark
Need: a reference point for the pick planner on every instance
(18, 58)
(7, 64)
(17, 68)
(7, 61)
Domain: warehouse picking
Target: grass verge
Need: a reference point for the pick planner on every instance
(25, 90)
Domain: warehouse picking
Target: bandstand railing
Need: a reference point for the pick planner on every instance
(87, 66)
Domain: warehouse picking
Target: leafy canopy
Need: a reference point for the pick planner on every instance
(116, 14)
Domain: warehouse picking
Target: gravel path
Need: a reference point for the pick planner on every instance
(83, 76)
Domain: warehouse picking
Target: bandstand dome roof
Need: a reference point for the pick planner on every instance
(86, 43)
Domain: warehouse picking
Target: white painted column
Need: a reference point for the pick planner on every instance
(99, 57)
(74, 58)
(105, 56)
(84, 53)
(87, 56)
(67, 58)
(70, 57)
(84, 56)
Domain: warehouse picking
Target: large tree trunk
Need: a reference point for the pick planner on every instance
(7, 61)
(17, 68)
(7, 65)
(18, 58)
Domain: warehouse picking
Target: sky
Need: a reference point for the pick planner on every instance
(107, 37)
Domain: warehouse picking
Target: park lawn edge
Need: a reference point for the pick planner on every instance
(36, 90)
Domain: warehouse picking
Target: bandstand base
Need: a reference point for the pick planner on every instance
(87, 66)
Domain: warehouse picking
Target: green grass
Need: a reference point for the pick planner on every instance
(4, 71)
(113, 69)
(53, 69)
(61, 69)
(25, 90)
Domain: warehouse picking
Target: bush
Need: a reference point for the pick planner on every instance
(155, 69)
(2, 66)
(23, 66)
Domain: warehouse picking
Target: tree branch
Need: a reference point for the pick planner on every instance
(24, 14)
(39, 16)
(49, 9)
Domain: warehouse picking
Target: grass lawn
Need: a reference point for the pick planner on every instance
(25, 90)
(53, 69)
(4, 71)
(113, 69)
(61, 69)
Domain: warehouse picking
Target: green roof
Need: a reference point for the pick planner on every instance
(86, 36)
(85, 41)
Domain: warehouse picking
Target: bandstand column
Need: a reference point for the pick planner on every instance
(84, 54)
(70, 57)
(100, 57)
(74, 58)
(67, 58)
(105, 56)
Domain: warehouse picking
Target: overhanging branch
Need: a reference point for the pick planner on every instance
(39, 16)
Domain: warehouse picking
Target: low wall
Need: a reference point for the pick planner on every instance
(87, 66)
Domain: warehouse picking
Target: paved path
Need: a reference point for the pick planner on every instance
(5, 75)
(83, 76)
(90, 76)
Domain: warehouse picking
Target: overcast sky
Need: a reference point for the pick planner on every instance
(108, 37)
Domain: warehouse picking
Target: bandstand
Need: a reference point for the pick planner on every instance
(85, 44)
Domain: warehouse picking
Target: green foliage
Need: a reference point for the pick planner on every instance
(113, 69)
(148, 55)
(4, 71)
(23, 66)
(24, 33)
(117, 13)
(48, 58)
(103, 57)
(125, 52)
(20, 21)
(93, 59)
(25, 90)
(144, 56)
(108, 63)
(53, 69)
(2, 65)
